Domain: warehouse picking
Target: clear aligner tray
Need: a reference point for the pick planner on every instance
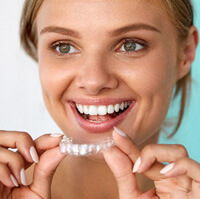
(67, 147)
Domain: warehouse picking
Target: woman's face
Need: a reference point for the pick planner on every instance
(99, 55)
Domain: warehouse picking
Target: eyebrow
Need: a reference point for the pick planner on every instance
(60, 30)
(117, 32)
(134, 27)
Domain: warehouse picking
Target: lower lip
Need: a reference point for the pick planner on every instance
(99, 127)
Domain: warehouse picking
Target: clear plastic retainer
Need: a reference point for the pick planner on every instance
(67, 147)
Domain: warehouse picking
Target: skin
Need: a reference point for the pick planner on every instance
(99, 69)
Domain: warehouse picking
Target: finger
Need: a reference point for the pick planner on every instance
(20, 140)
(47, 141)
(15, 163)
(24, 192)
(45, 169)
(126, 145)
(183, 166)
(42, 143)
(6, 177)
(121, 166)
(195, 189)
(161, 153)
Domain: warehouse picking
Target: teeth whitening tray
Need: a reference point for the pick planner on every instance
(67, 147)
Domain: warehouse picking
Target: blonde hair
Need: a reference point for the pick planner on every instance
(180, 13)
(28, 36)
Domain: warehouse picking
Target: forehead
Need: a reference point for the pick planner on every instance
(101, 14)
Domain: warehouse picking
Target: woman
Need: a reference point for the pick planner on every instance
(107, 68)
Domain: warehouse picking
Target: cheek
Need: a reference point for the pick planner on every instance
(54, 82)
(152, 80)
(55, 77)
(50, 82)
(155, 74)
(52, 73)
(157, 84)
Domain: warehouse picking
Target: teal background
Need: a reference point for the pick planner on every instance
(189, 132)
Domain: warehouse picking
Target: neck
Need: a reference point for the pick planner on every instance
(143, 182)
(152, 140)
(84, 178)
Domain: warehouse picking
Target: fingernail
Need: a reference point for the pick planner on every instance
(56, 135)
(23, 177)
(34, 154)
(137, 165)
(14, 180)
(167, 168)
(120, 132)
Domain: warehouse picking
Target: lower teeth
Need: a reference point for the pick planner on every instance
(96, 122)
(67, 147)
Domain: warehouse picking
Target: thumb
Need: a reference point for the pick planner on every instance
(45, 169)
(121, 166)
(127, 146)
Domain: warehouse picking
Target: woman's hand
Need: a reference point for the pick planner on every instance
(44, 151)
(179, 180)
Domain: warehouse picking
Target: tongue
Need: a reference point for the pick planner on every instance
(99, 118)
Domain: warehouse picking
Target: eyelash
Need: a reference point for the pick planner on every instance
(140, 42)
(55, 45)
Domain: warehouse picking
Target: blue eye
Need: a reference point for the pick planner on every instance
(129, 46)
(66, 48)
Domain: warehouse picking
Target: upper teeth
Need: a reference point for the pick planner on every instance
(102, 109)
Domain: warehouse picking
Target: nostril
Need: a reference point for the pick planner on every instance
(95, 76)
(94, 84)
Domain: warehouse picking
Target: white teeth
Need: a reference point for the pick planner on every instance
(85, 109)
(93, 110)
(111, 109)
(116, 107)
(102, 109)
(80, 108)
(122, 106)
(125, 104)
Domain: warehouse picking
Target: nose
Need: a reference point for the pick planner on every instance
(95, 76)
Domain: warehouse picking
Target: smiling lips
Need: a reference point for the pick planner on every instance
(100, 118)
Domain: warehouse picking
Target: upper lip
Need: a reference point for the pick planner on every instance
(105, 101)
